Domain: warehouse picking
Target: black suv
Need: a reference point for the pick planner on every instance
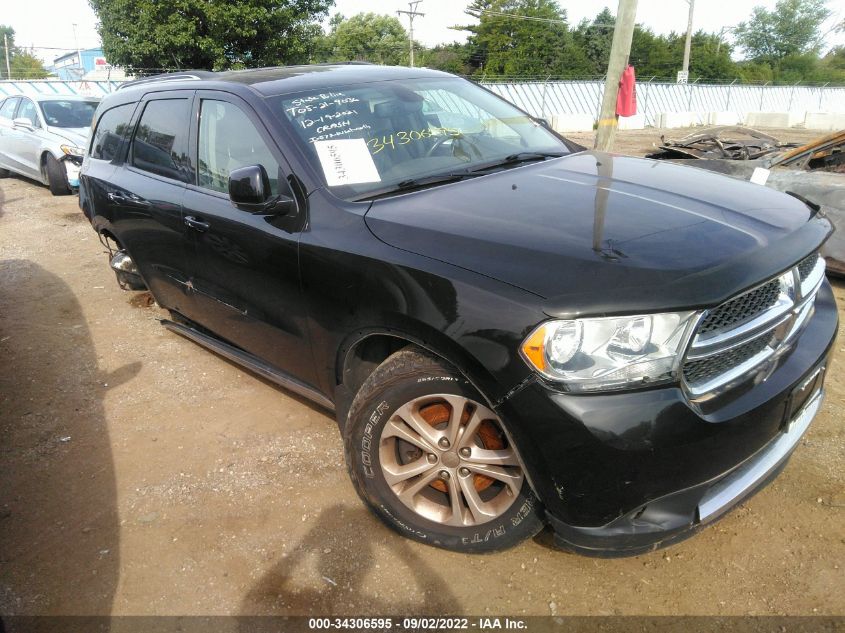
(511, 330)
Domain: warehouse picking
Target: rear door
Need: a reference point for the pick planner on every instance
(244, 270)
(145, 194)
(108, 147)
(26, 143)
(7, 114)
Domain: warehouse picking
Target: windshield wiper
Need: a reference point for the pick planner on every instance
(419, 183)
(516, 159)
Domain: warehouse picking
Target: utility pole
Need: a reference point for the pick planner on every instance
(412, 13)
(620, 49)
(78, 52)
(6, 45)
(688, 43)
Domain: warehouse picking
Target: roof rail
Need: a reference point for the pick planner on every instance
(189, 75)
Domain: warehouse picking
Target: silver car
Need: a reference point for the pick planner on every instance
(43, 137)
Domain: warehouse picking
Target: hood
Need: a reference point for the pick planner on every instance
(596, 233)
(76, 136)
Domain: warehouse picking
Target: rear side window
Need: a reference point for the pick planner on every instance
(111, 130)
(7, 110)
(160, 145)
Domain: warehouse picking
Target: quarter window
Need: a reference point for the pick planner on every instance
(111, 130)
(227, 141)
(160, 143)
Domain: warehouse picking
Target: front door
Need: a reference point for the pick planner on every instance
(244, 271)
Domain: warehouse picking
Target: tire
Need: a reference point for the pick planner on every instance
(57, 177)
(461, 510)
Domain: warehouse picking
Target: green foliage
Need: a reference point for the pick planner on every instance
(9, 32)
(451, 58)
(365, 37)
(594, 39)
(540, 45)
(25, 65)
(142, 35)
(792, 29)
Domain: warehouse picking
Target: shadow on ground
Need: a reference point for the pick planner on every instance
(59, 540)
(347, 575)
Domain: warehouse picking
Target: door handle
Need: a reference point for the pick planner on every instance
(197, 225)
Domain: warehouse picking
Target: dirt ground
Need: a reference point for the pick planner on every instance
(141, 474)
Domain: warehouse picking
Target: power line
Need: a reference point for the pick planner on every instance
(522, 17)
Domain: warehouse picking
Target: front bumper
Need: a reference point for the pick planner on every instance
(72, 165)
(624, 473)
(679, 515)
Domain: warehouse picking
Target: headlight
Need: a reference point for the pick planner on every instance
(610, 352)
(71, 150)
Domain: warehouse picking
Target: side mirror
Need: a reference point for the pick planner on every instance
(24, 123)
(249, 190)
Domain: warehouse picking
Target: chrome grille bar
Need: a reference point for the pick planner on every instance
(717, 357)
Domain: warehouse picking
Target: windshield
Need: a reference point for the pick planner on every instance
(369, 138)
(68, 113)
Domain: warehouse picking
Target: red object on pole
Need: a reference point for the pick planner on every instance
(626, 100)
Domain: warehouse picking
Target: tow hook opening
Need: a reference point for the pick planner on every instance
(128, 277)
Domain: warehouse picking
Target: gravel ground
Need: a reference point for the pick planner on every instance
(144, 475)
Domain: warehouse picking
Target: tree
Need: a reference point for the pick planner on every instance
(523, 38)
(594, 38)
(451, 58)
(365, 37)
(25, 65)
(9, 32)
(793, 28)
(148, 35)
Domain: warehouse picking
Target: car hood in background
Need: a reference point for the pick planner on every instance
(598, 233)
(76, 136)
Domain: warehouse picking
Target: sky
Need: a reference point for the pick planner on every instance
(48, 24)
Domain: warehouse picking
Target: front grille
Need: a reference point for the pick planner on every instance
(806, 266)
(705, 369)
(741, 309)
(760, 324)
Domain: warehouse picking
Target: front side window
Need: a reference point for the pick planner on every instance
(369, 137)
(160, 145)
(7, 110)
(68, 113)
(27, 111)
(227, 141)
(110, 132)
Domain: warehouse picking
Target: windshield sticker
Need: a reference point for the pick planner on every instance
(760, 176)
(346, 162)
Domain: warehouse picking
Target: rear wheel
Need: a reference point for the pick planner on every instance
(433, 461)
(56, 177)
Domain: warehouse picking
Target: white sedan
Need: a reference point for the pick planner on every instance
(43, 137)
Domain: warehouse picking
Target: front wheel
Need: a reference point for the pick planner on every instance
(434, 462)
(57, 177)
